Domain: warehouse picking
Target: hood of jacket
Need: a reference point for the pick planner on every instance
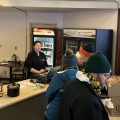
(82, 77)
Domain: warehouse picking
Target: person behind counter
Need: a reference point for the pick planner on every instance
(36, 61)
(53, 93)
(79, 101)
(84, 52)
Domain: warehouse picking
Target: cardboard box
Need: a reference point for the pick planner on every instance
(114, 93)
(116, 110)
(114, 86)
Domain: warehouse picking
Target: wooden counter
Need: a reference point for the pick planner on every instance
(114, 118)
(30, 104)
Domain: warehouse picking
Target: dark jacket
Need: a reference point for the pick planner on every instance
(80, 102)
(35, 61)
(53, 93)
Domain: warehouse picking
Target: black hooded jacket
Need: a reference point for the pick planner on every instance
(80, 102)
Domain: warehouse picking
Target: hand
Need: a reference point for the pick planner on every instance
(107, 102)
(42, 71)
(47, 69)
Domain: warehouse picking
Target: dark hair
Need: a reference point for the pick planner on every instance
(37, 42)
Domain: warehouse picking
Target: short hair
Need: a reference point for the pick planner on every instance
(37, 42)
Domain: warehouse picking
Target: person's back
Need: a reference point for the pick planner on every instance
(54, 90)
(83, 105)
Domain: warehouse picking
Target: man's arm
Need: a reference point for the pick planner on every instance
(32, 70)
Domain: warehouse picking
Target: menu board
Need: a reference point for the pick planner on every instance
(39, 31)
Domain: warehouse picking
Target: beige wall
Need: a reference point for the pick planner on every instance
(12, 34)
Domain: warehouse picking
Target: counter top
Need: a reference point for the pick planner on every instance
(114, 118)
(27, 90)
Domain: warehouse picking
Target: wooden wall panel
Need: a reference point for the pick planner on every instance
(117, 63)
(58, 52)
